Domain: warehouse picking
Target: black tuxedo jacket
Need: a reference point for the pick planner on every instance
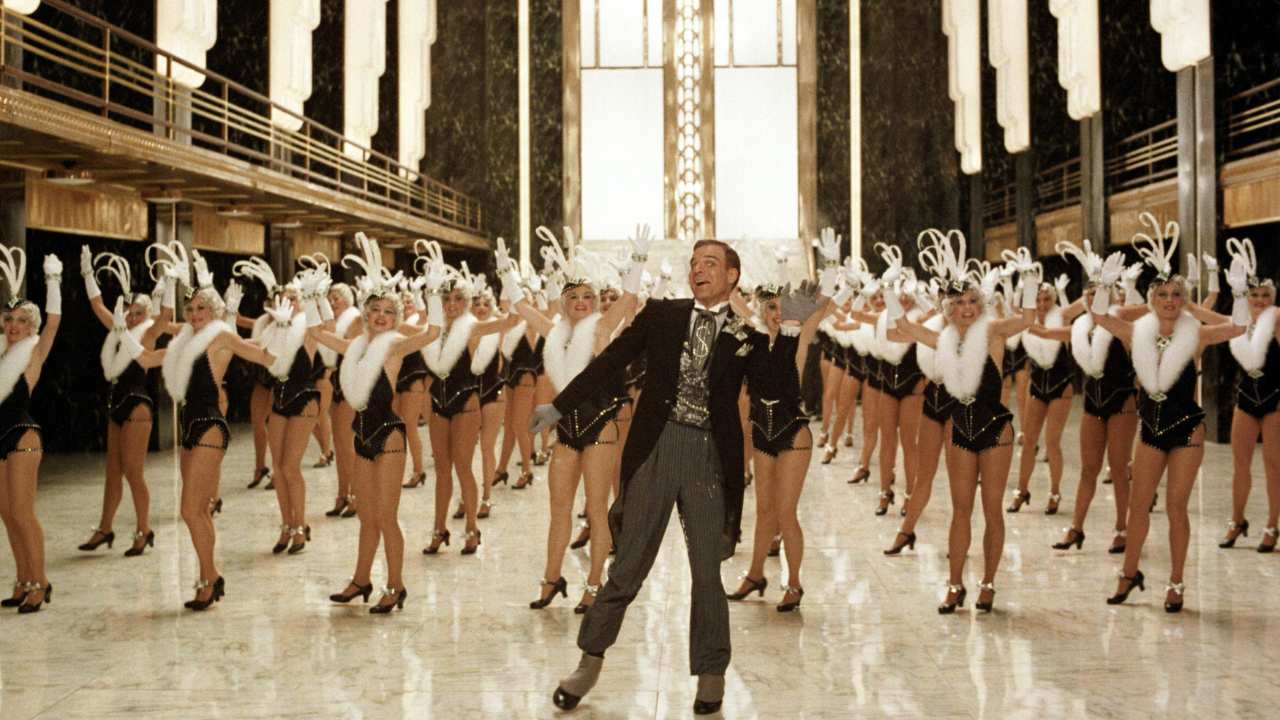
(658, 334)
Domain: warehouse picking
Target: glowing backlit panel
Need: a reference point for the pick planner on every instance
(291, 22)
(1184, 31)
(365, 59)
(1007, 37)
(186, 29)
(22, 7)
(417, 32)
(621, 152)
(757, 173)
(960, 20)
(1079, 63)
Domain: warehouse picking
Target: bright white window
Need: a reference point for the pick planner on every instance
(621, 152)
(757, 178)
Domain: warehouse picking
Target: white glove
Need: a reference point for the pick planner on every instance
(1129, 281)
(842, 295)
(168, 295)
(1030, 287)
(53, 288)
(1238, 276)
(118, 322)
(1214, 284)
(511, 291)
(892, 305)
(232, 298)
(415, 292)
(86, 269)
(312, 311)
(640, 244)
(1061, 286)
(204, 278)
(1101, 300)
(435, 310)
(535, 283)
(894, 261)
(326, 309)
(1240, 311)
(502, 257)
(828, 280)
(543, 417)
(282, 313)
(554, 286)
(1193, 270)
(828, 247)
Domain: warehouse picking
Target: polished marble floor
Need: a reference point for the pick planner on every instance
(116, 642)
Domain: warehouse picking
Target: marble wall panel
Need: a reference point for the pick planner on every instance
(833, 115)
(325, 106)
(1137, 92)
(456, 150)
(502, 137)
(387, 139)
(546, 115)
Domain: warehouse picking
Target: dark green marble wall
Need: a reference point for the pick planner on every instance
(833, 115)
(546, 112)
(502, 131)
(387, 139)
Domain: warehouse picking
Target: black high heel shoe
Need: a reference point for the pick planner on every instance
(486, 507)
(199, 605)
(148, 540)
(415, 481)
(303, 532)
(350, 512)
(26, 607)
(339, 504)
(581, 608)
(752, 584)
(775, 546)
(1234, 531)
(526, 479)
(1179, 589)
(794, 604)
(985, 587)
(886, 499)
(860, 475)
(258, 476)
(1137, 581)
(559, 586)
(584, 537)
(468, 548)
(345, 597)
(957, 593)
(1118, 542)
(20, 594)
(909, 541)
(215, 507)
(1074, 537)
(438, 538)
(1052, 507)
(283, 544)
(1020, 498)
(460, 513)
(325, 460)
(397, 604)
(501, 477)
(1268, 544)
(99, 539)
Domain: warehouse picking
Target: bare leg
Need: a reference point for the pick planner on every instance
(993, 464)
(20, 472)
(1271, 465)
(25, 573)
(1032, 424)
(1184, 464)
(790, 472)
(439, 430)
(344, 450)
(113, 488)
(1148, 467)
(888, 405)
(962, 471)
(1055, 421)
(490, 423)
(598, 465)
(1121, 429)
(464, 433)
(324, 429)
(389, 470)
(1022, 384)
(409, 405)
(134, 437)
(1093, 446)
(870, 424)
(831, 377)
(846, 397)
(562, 481)
(516, 427)
(200, 468)
(930, 439)
(297, 435)
(766, 514)
(367, 489)
(259, 409)
(1244, 438)
(276, 425)
(910, 410)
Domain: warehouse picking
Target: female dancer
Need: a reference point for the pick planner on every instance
(130, 408)
(348, 324)
(1109, 421)
(845, 379)
(22, 354)
(1050, 375)
(263, 383)
(969, 350)
(323, 430)
(295, 400)
(1165, 346)
(368, 362)
(522, 364)
(454, 423)
(588, 436)
(783, 444)
(863, 367)
(1257, 397)
(493, 404)
(411, 393)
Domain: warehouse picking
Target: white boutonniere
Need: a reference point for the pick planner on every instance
(744, 350)
(736, 327)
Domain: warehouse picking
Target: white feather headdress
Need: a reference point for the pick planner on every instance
(944, 255)
(115, 265)
(1243, 249)
(377, 280)
(1088, 259)
(1158, 251)
(13, 266)
(257, 269)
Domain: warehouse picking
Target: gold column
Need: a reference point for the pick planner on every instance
(807, 115)
(688, 72)
(571, 122)
(707, 130)
(669, 131)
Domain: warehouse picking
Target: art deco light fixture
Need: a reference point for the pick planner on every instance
(960, 20)
(365, 59)
(1007, 37)
(1079, 64)
(292, 22)
(187, 29)
(1184, 31)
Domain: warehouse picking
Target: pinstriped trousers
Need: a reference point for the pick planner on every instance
(683, 470)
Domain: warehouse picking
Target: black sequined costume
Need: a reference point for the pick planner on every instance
(201, 409)
(581, 427)
(525, 361)
(1258, 392)
(1107, 394)
(491, 381)
(773, 387)
(1170, 419)
(290, 397)
(128, 391)
(937, 402)
(1049, 384)
(978, 424)
(15, 417)
(374, 424)
(449, 394)
(899, 380)
(412, 369)
(1015, 359)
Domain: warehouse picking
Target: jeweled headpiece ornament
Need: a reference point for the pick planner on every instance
(377, 280)
(576, 271)
(944, 255)
(115, 265)
(1158, 251)
(162, 257)
(1083, 254)
(1243, 249)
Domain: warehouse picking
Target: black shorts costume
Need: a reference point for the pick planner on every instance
(1015, 359)
(373, 425)
(937, 402)
(336, 381)
(525, 361)
(290, 397)
(412, 369)
(1169, 419)
(490, 382)
(1258, 392)
(871, 364)
(899, 379)
(978, 424)
(15, 418)
(773, 387)
(128, 391)
(1049, 384)
(1106, 395)
(200, 409)
(581, 427)
(449, 394)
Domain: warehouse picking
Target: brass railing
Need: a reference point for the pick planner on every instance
(111, 72)
(1001, 205)
(1143, 158)
(1058, 186)
(1253, 121)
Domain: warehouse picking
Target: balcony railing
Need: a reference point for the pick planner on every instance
(1058, 186)
(83, 62)
(1001, 206)
(1143, 158)
(1253, 121)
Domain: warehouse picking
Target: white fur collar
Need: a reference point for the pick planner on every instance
(183, 352)
(863, 339)
(114, 362)
(569, 348)
(289, 351)
(443, 352)
(259, 327)
(1158, 371)
(486, 349)
(891, 351)
(1043, 351)
(340, 328)
(1089, 345)
(14, 360)
(511, 338)
(362, 365)
(963, 359)
(1013, 341)
(927, 356)
(1250, 349)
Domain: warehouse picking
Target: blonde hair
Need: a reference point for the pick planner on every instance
(393, 298)
(345, 291)
(31, 311)
(210, 297)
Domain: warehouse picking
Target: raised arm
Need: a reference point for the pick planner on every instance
(246, 350)
(329, 340)
(415, 342)
(609, 364)
(916, 332)
(1061, 334)
(540, 323)
(1207, 316)
(1219, 333)
(1122, 329)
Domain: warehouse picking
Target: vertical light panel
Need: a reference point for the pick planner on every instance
(757, 183)
(621, 40)
(755, 32)
(587, 32)
(960, 20)
(522, 79)
(1079, 61)
(621, 152)
(291, 24)
(689, 37)
(364, 61)
(1007, 40)
(416, 21)
(1184, 31)
(855, 129)
(186, 29)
